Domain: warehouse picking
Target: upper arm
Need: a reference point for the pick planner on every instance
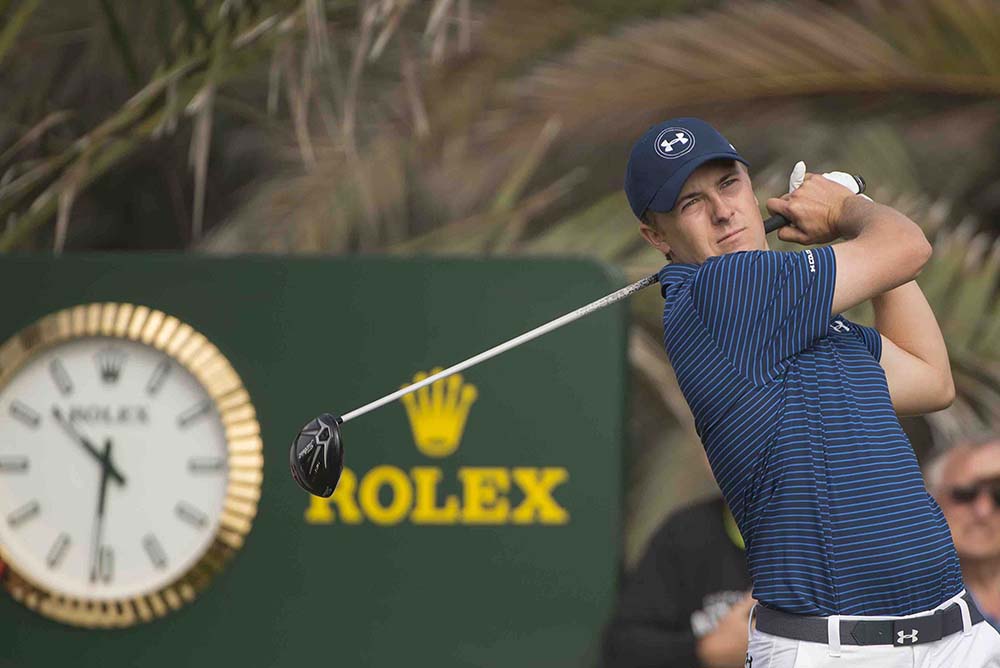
(876, 261)
(914, 385)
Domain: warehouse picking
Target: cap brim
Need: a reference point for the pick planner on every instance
(666, 197)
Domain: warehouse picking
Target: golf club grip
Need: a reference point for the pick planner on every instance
(773, 223)
(776, 221)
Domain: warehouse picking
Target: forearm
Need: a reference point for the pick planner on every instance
(883, 250)
(916, 363)
(904, 317)
(861, 218)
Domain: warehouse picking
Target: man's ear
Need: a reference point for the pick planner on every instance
(652, 234)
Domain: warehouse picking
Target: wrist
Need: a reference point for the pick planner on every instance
(713, 650)
(854, 213)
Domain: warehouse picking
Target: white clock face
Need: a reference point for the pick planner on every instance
(113, 469)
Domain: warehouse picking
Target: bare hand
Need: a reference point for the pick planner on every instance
(726, 646)
(813, 210)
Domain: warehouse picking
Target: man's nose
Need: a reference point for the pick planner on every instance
(983, 506)
(722, 210)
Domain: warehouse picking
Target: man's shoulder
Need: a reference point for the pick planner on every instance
(742, 270)
(754, 260)
(678, 272)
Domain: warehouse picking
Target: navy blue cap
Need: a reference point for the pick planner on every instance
(663, 159)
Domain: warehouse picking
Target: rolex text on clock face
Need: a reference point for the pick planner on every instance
(113, 468)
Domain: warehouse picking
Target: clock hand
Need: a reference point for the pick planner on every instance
(102, 495)
(87, 445)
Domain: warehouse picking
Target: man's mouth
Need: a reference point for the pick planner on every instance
(731, 235)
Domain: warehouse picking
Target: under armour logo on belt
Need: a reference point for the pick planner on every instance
(901, 637)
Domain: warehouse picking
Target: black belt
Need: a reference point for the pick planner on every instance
(899, 631)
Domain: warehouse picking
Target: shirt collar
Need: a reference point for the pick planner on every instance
(675, 272)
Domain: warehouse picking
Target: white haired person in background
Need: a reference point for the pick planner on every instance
(965, 481)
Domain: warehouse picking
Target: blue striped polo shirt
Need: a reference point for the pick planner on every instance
(794, 412)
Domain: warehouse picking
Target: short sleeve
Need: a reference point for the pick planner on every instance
(762, 307)
(870, 337)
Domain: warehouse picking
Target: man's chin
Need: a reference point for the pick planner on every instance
(737, 247)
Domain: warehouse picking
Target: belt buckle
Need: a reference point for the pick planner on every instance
(915, 630)
(868, 632)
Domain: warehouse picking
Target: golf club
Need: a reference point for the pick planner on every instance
(316, 456)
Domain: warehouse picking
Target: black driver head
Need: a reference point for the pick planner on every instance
(317, 455)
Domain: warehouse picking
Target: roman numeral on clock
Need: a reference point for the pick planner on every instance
(58, 550)
(191, 515)
(60, 376)
(206, 464)
(158, 378)
(25, 414)
(106, 564)
(193, 413)
(13, 464)
(154, 551)
(29, 510)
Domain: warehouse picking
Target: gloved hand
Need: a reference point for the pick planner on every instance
(843, 178)
(815, 208)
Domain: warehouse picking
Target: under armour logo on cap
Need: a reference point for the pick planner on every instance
(674, 142)
(665, 156)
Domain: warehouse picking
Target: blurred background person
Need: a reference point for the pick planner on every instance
(686, 603)
(965, 481)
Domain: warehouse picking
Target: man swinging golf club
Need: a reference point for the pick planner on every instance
(852, 561)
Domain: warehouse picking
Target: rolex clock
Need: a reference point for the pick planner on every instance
(130, 464)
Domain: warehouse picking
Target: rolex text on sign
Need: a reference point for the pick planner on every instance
(473, 495)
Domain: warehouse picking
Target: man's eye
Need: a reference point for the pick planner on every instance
(728, 183)
(688, 204)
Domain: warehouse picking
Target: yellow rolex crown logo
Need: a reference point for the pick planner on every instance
(437, 412)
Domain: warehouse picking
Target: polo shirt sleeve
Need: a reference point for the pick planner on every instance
(762, 307)
(870, 337)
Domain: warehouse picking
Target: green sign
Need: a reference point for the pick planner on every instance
(477, 521)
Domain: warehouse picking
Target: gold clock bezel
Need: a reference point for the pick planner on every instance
(209, 366)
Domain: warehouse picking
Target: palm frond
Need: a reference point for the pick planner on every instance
(41, 189)
(120, 39)
(606, 89)
(14, 25)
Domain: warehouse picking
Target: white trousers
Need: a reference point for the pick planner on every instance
(977, 647)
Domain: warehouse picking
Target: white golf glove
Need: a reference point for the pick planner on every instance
(843, 178)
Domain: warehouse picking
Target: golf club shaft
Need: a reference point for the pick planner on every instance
(771, 224)
(507, 345)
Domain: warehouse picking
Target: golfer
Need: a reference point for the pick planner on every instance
(851, 559)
